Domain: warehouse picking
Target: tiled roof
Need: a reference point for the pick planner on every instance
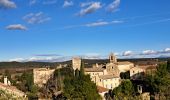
(108, 76)
(124, 63)
(101, 89)
(93, 69)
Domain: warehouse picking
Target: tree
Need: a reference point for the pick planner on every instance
(160, 82)
(80, 87)
(123, 91)
(127, 87)
(82, 69)
(125, 75)
(77, 73)
(168, 66)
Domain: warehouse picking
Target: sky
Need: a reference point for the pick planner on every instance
(55, 30)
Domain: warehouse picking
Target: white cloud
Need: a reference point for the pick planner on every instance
(102, 23)
(67, 3)
(42, 59)
(17, 59)
(36, 18)
(127, 53)
(149, 52)
(84, 4)
(90, 9)
(113, 6)
(7, 4)
(167, 50)
(16, 27)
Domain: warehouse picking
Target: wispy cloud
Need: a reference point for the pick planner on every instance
(102, 23)
(151, 22)
(42, 59)
(96, 24)
(127, 53)
(90, 9)
(16, 27)
(68, 3)
(149, 52)
(47, 55)
(6, 4)
(85, 4)
(36, 18)
(113, 6)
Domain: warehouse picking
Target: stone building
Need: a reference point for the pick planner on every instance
(76, 63)
(107, 77)
(139, 72)
(42, 75)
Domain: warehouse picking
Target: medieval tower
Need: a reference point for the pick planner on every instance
(76, 63)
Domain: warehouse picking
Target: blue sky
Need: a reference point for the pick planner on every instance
(53, 29)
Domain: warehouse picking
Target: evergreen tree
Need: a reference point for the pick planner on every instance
(82, 70)
(168, 66)
(77, 73)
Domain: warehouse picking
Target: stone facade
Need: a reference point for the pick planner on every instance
(42, 75)
(76, 63)
(108, 76)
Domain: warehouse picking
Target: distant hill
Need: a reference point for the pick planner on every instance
(88, 62)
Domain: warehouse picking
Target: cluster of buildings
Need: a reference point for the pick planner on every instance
(108, 76)
(105, 76)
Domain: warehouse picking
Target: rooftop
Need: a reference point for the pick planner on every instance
(108, 76)
(124, 63)
(94, 69)
(101, 89)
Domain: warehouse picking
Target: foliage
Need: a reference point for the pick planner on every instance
(168, 66)
(82, 69)
(159, 81)
(26, 84)
(80, 87)
(125, 90)
(125, 75)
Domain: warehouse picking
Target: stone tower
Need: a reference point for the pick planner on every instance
(76, 63)
(112, 58)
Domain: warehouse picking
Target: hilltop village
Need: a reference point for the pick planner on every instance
(107, 78)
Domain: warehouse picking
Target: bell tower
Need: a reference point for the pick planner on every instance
(112, 58)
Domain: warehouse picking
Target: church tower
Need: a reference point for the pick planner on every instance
(112, 58)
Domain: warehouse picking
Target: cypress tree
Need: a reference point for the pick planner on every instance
(77, 73)
(82, 69)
